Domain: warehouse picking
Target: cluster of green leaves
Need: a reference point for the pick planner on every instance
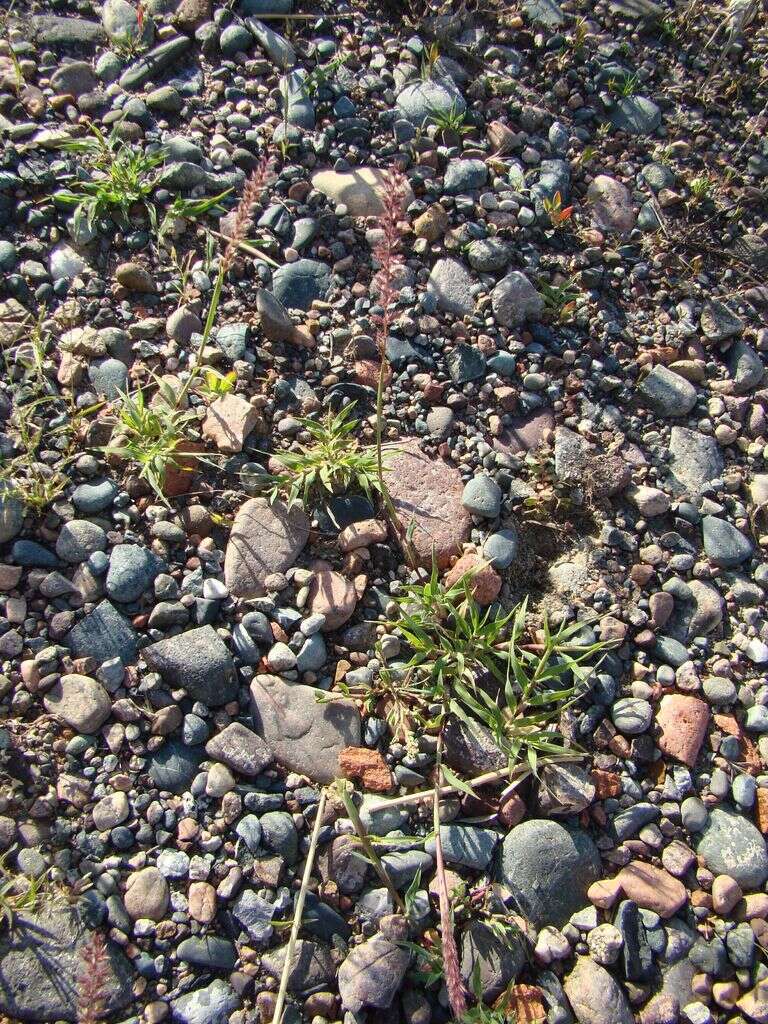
(185, 209)
(453, 120)
(148, 435)
(560, 299)
(624, 85)
(122, 175)
(323, 74)
(18, 893)
(332, 463)
(476, 665)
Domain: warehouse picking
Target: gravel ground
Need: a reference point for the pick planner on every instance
(574, 358)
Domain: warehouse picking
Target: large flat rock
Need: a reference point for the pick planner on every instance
(426, 492)
(41, 961)
(199, 662)
(304, 735)
(264, 539)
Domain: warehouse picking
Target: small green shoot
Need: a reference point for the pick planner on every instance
(624, 85)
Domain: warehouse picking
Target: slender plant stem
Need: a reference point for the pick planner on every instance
(209, 321)
(516, 775)
(367, 845)
(298, 911)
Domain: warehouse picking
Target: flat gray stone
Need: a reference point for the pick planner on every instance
(420, 101)
(298, 284)
(596, 996)
(732, 845)
(41, 960)
(695, 460)
(196, 661)
(496, 960)
(450, 284)
(304, 734)
(104, 634)
(667, 393)
(372, 974)
(239, 748)
(212, 1004)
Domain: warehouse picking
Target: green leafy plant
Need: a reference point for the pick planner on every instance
(323, 74)
(148, 435)
(132, 42)
(558, 214)
(702, 188)
(624, 85)
(214, 384)
(429, 61)
(122, 176)
(18, 893)
(560, 299)
(189, 210)
(575, 42)
(332, 463)
(452, 121)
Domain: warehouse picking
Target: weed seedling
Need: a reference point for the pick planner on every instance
(558, 214)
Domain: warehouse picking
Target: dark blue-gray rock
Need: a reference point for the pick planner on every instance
(255, 915)
(276, 325)
(465, 175)
(470, 748)
(322, 921)
(41, 958)
(709, 957)
(279, 835)
(402, 866)
(174, 765)
(670, 651)
(198, 662)
(658, 176)
(745, 366)
(372, 974)
(212, 1004)
(235, 39)
(94, 497)
(152, 64)
(695, 460)
(181, 175)
(11, 513)
(208, 951)
(304, 735)
(259, 7)
(310, 967)
(450, 285)
(724, 544)
(488, 255)
(732, 845)
(544, 12)
(296, 106)
(421, 101)
(233, 339)
(132, 569)
(740, 944)
(465, 363)
(494, 960)
(103, 634)
(466, 845)
(547, 870)
(636, 953)
(78, 539)
(636, 115)
(628, 823)
(482, 496)
(276, 47)
(501, 548)
(667, 393)
(33, 555)
(298, 284)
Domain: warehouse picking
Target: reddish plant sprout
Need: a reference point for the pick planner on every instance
(243, 213)
(140, 19)
(387, 252)
(93, 980)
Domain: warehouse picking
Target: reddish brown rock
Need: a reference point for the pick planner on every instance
(683, 723)
(652, 888)
(332, 595)
(606, 783)
(611, 204)
(360, 535)
(525, 432)
(202, 902)
(426, 492)
(484, 581)
(368, 767)
(761, 810)
(523, 1004)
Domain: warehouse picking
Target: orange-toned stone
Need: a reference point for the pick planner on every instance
(652, 888)
(761, 810)
(607, 784)
(368, 766)
(484, 581)
(367, 372)
(523, 1004)
(683, 722)
(604, 893)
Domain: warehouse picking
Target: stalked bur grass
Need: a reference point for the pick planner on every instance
(389, 258)
(344, 790)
